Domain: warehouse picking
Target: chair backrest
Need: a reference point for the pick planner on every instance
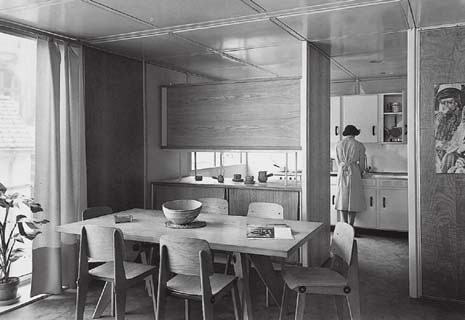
(94, 212)
(183, 255)
(342, 241)
(102, 243)
(214, 206)
(266, 210)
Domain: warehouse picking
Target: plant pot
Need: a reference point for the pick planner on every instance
(9, 291)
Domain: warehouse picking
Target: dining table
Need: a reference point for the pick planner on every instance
(223, 232)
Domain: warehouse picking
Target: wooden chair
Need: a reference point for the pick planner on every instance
(190, 259)
(218, 206)
(271, 211)
(106, 244)
(338, 276)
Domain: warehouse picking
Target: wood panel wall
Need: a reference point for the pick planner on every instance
(442, 203)
(114, 130)
(240, 115)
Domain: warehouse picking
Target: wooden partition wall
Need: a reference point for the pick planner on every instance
(442, 203)
(246, 115)
(114, 130)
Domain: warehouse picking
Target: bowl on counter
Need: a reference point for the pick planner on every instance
(181, 212)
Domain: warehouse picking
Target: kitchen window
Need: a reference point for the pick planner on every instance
(212, 159)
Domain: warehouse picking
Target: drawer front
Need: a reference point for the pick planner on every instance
(392, 183)
(369, 183)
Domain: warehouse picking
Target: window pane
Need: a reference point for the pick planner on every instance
(231, 158)
(17, 131)
(204, 160)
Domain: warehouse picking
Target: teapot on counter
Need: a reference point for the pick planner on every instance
(263, 177)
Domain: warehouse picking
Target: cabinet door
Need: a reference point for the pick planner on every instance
(333, 213)
(336, 131)
(163, 193)
(239, 200)
(362, 112)
(392, 209)
(368, 218)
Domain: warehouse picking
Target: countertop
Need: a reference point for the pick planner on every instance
(381, 175)
(228, 183)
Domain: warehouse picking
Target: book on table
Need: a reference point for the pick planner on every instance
(269, 231)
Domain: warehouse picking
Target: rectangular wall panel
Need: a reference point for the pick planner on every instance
(256, 115)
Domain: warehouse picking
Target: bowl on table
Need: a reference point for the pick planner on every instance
(181, 212)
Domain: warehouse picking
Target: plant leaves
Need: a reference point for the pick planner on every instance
(3, 203)
(2, 188)
(35, 207)
(20, 218)
(43, 221)
(18, 238)
(31, 225)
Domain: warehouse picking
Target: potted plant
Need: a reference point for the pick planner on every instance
(16, 225)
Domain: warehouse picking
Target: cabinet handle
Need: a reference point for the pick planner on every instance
(373, 128)
(384, 202)
(405, 130)
(333, 199)
(336, 130)
(371, 201)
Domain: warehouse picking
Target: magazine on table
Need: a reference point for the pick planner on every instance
(269, 231)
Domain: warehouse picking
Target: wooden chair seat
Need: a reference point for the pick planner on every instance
(132, 271)
(296, 277)
(190, 285)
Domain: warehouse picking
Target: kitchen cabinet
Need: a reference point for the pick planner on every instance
(393, 118)
(163, 193)
(239, 200)
(336, 131)
(369, 217)
(333, 214)
(362, 112)
(386, 201)
(392, 205)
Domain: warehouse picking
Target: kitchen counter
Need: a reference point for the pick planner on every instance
(381, 175)
(228, 183)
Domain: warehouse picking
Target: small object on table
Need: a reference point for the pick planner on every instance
(249, 180)
(198, 178)
(181, 211)
(192, 225)
(121, 218)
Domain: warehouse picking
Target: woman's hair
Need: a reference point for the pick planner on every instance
(350, 130)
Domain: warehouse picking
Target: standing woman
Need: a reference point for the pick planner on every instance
(350, 157)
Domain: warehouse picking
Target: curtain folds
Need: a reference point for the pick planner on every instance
(60, 181)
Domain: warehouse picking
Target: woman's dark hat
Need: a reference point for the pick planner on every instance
(350, 130)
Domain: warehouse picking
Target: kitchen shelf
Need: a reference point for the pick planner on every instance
(393, 118)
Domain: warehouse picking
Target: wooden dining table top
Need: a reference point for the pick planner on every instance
(223, 232)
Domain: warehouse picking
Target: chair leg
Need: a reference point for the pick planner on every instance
(105, 299)
(300, 306)
(120, 294)
(339, 301)
(207, 309)
(187, 309)
(228, 262)
(353, 300)
(283, 309)
(153, 281)
(144, 259)
(236, 302)
(81, 299)
(267, 297)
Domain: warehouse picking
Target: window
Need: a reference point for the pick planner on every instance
(17, 130)
(212, 159)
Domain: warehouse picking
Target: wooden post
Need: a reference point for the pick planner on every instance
(315, 141)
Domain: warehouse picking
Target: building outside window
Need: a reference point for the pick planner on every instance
(17, 130)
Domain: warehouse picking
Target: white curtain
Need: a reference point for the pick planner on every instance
(60, 175)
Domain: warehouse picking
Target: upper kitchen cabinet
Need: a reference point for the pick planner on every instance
(362, 112)
(241, 115)
(336, 132)
(393, 118)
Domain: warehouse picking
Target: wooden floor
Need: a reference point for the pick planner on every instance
(384, 295)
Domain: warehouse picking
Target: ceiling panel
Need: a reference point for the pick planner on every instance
(165, 13)
(271, 55)
(213, 65)
(73, 18)
(154, 48)
(382, 18)
(9, 4)
(241, 36)
(272, 5)
(339, 74)
(433, 12)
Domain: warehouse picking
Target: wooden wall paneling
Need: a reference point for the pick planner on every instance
(239, 200)
(114, 130)
(242, 115)
(164, 193)
(315, 121)
(442, 200)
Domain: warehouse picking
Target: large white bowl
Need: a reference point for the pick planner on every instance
(181, 211)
